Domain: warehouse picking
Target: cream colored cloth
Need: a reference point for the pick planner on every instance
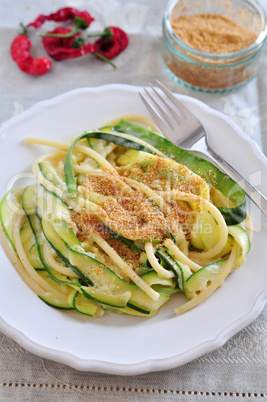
(238, 370)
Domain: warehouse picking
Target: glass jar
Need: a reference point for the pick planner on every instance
(213, 72)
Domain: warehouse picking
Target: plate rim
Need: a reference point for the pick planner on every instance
(133, 88)
(151, 364)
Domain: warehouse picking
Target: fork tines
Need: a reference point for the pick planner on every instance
(175, 121)
(166, 107)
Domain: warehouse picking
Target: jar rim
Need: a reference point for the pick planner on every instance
(258, 43)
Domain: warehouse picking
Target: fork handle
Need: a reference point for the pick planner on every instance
(251, 191)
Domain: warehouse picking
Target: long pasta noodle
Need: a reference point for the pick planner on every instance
(26, 277)
(164, 273)
(23, 258)
(124, 267)
(212, 287)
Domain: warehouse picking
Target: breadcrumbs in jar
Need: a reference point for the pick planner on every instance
(214, 45)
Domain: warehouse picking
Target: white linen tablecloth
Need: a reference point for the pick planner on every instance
(238, 370)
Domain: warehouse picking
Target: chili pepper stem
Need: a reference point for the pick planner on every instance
(67, 35)
(100, 56)
(95, 34)
(24, 29)
(107, 34)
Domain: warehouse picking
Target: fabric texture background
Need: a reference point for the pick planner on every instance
(238, 370)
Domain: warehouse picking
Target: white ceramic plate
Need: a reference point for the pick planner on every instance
(116, 344)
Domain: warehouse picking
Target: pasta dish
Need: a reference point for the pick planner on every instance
(120, 220)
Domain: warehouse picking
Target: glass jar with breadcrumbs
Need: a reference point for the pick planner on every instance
(213, 45)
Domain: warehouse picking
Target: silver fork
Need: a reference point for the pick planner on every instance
(183, 129)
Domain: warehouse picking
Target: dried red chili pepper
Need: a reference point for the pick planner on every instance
(63, 48)
(114, 46)
(63, 14)
(19, 50)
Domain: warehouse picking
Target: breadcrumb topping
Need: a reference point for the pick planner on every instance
(128, 212)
